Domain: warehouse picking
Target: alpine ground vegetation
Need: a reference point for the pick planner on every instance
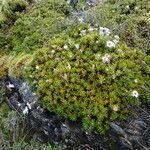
(88, 74)
(127, 18)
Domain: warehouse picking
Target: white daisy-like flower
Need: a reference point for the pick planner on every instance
(113, 77)
(77, 46)
(135, 93)
(115, 41)
(68, 1)
(104, 31)
(115, 108)
(25, 111)
(30, 76)
(91, 29)
(65, 76)
(53, 51)
(127, 7)
(55, 70)
(116, 37)
(119, 50)
(93, 66)
(69, 66)
(135, 80)
(97, 56)
(57, 58)
(105, 59)
(83, 32)
(47, 81)
(65, 47)
(80, 19)
(34, 94)
(37, 67)
(96, 42)
(110, 44)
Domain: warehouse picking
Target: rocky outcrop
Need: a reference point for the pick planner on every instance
(49, 127)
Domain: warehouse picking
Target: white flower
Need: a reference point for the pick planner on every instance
(25, 111)
(68, 1)
(127, 7)
(115, 108)
(55, 70)
(93, 66)
(120, 50)
(115, 41)
(65, 47)
(96, 42)
(105, 59)
(69, 66)
(65, 76)
(97, 56)
(135, 80)
(83, 32)
(77, 46)
(80, 19)
(30, 76)
(113, 77)
(104, 31)
(110, 44)
(116, 37)
(47, 81)
(91, 29)
(135, 93)
(37, 67)
(34, 94)
(53, 51)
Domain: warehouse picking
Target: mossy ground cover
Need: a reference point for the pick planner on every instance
(128, 18)
(79, 71)
(27, 28)
(90, 75)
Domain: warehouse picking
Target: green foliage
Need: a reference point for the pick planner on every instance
(128, 18)
(89, 76)
(81, 5)
(17, 64)
(9, 9)
(3, 66)
(35, 28)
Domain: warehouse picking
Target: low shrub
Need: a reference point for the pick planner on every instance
(10, 10)
(88, 74)
(38, 25)
(131, 17)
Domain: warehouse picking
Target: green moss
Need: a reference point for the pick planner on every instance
(128, 18)
(80, 76)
